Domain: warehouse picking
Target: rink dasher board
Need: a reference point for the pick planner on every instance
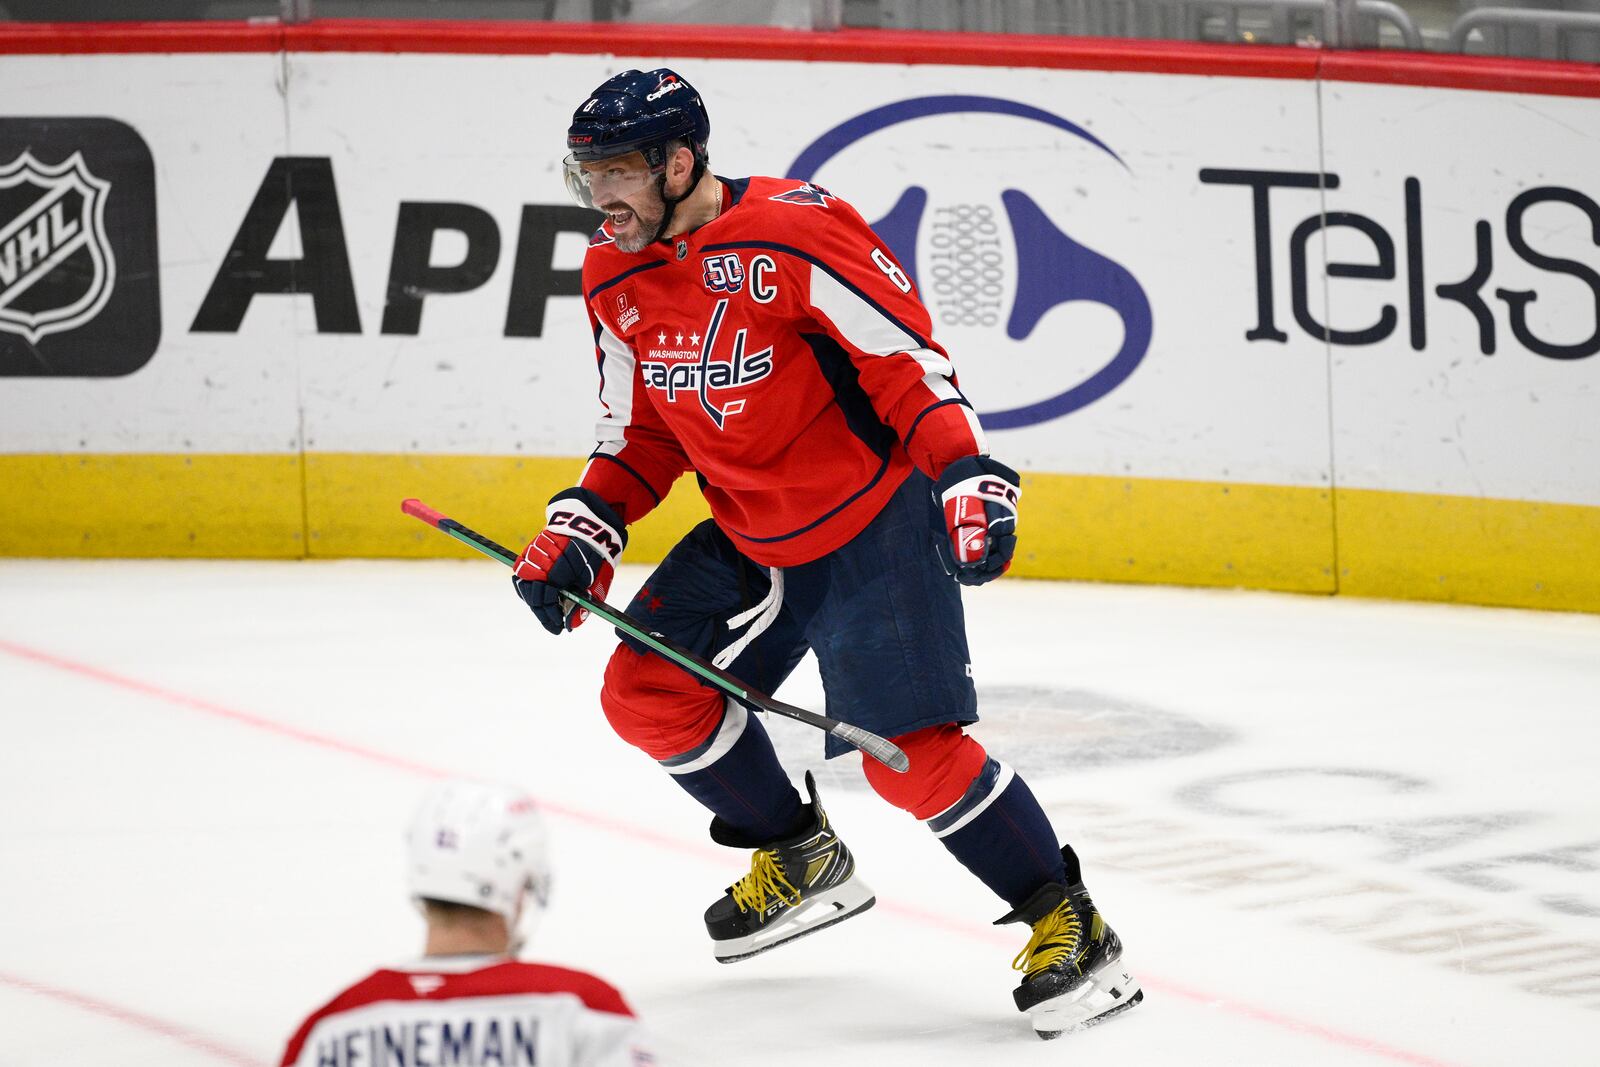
(1087, 242)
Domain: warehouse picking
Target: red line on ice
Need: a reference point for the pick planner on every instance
(138, 1020)
(623, 829)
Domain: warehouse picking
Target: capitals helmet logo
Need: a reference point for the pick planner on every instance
(56, 265)
(667, 83)
(985, 238)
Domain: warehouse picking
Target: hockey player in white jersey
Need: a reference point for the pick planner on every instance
(479, 872)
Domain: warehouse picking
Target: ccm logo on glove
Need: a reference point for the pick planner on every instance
(999, 491)
(582, 538)
(589, 528)
(979, 498)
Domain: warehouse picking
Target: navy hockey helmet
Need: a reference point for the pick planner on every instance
(639, 111)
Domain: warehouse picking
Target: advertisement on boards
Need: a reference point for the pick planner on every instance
(1206, 280)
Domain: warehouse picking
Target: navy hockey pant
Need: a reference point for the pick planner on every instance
(887, 628)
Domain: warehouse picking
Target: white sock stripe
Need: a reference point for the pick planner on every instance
(727, 734)
(969, 807)
(977, 789)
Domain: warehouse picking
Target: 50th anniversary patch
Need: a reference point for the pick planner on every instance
(79, 285)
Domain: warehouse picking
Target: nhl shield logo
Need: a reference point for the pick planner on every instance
(57, 270)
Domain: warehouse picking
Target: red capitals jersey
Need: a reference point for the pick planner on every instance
(469, 1010)
(781, 353)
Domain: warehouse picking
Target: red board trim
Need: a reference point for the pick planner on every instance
(98, 38)
(851, 46)
(1484, 73)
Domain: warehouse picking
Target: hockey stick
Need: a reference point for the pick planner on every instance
(880, 749)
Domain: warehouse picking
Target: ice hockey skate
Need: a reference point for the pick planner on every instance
(795, 887)
(1072, 965)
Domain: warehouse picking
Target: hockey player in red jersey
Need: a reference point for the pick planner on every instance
(477, 869)
(757, 332)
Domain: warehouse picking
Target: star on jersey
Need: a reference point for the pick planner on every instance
(661, 338)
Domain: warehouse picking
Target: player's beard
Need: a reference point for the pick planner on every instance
(640, 231)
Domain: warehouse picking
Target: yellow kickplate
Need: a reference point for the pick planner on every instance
(1469, 550)
(239, 506)
(330, 505)
(1176, 532)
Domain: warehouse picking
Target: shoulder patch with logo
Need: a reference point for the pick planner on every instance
(808, 194)
(624, 310)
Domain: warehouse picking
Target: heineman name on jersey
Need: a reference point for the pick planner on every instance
(472, 1012)
(464, 1040)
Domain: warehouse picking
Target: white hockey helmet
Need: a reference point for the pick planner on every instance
(479, 844)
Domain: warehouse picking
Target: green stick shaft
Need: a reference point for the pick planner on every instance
(880, 749)
(601, 610)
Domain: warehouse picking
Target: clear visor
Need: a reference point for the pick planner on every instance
(606, 181)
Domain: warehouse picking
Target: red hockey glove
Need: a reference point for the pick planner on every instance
(577, 550)
(979, 498)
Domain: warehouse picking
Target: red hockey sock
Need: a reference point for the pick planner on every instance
(653, 705)
(712, 747)
(944, 762)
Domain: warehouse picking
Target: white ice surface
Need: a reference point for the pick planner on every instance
(1329, 831)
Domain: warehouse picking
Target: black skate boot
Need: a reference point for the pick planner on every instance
(1073, 975)
(795, 887)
